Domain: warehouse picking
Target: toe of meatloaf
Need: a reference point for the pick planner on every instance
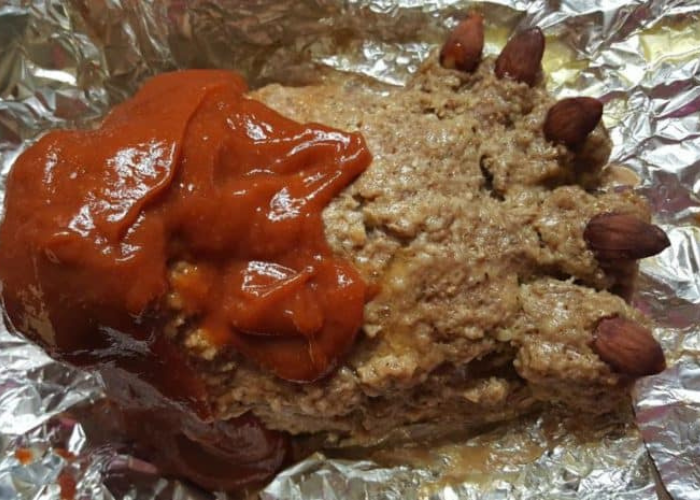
(469, 224)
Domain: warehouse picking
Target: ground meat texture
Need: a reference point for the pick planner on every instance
(468, 224)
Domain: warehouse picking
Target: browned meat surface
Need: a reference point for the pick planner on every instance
(469, 224)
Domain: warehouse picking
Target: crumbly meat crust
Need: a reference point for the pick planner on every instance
(469, 223)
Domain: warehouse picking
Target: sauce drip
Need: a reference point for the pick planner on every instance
(68, 485)
(188, 171)
(24, 455)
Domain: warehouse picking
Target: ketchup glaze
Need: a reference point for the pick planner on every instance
(189, 171)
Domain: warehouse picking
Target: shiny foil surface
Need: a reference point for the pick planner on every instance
(64, 62)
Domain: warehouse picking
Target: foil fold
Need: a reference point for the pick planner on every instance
(64, 62)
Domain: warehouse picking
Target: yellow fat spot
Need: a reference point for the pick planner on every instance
(560, 64)
(675, 42)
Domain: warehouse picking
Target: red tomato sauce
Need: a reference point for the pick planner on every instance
(188, 170)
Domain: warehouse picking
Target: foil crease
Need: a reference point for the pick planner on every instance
(570, 467)
(64, 62)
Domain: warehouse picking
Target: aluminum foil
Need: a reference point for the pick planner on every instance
(64, 62)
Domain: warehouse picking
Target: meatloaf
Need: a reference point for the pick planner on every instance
(469, 225)
(484, 261)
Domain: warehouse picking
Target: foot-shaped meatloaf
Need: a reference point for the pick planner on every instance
(347, 258)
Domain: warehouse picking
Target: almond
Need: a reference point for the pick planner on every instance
(628, 347)
(613, 236)
(462, 50)
(521, 58)
(570, 121)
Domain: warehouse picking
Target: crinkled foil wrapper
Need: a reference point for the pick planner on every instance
(63, 63)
